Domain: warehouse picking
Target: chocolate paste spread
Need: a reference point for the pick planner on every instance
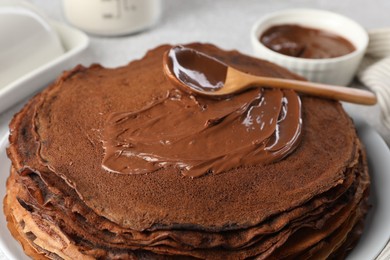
(200, 136)
(196, 70)
(298, 41)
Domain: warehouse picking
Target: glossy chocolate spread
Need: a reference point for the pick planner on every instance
(194, 69)
(200, 135)
(298, 41)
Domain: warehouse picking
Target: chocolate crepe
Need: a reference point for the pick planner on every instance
(63, 201)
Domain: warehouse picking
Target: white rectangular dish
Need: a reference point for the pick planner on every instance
(73, 41)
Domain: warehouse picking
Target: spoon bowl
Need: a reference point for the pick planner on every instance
(199, 73)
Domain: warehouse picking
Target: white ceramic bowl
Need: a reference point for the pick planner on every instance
(339, 70)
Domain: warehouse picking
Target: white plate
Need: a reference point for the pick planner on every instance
(74, 42)
(375, 235)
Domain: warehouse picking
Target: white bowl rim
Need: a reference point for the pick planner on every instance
(297, 60)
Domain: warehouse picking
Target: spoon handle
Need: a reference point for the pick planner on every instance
(352, 95)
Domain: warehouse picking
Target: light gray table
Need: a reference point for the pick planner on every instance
(225, 23)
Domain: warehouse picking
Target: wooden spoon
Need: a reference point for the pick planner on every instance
(199, 73)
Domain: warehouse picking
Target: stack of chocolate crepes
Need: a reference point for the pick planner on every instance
(118, 164)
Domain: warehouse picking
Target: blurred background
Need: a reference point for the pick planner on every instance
(226, 23)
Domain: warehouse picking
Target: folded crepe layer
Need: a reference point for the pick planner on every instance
(277, 222)
(338, 218)
(50, 202)
(339, 213)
